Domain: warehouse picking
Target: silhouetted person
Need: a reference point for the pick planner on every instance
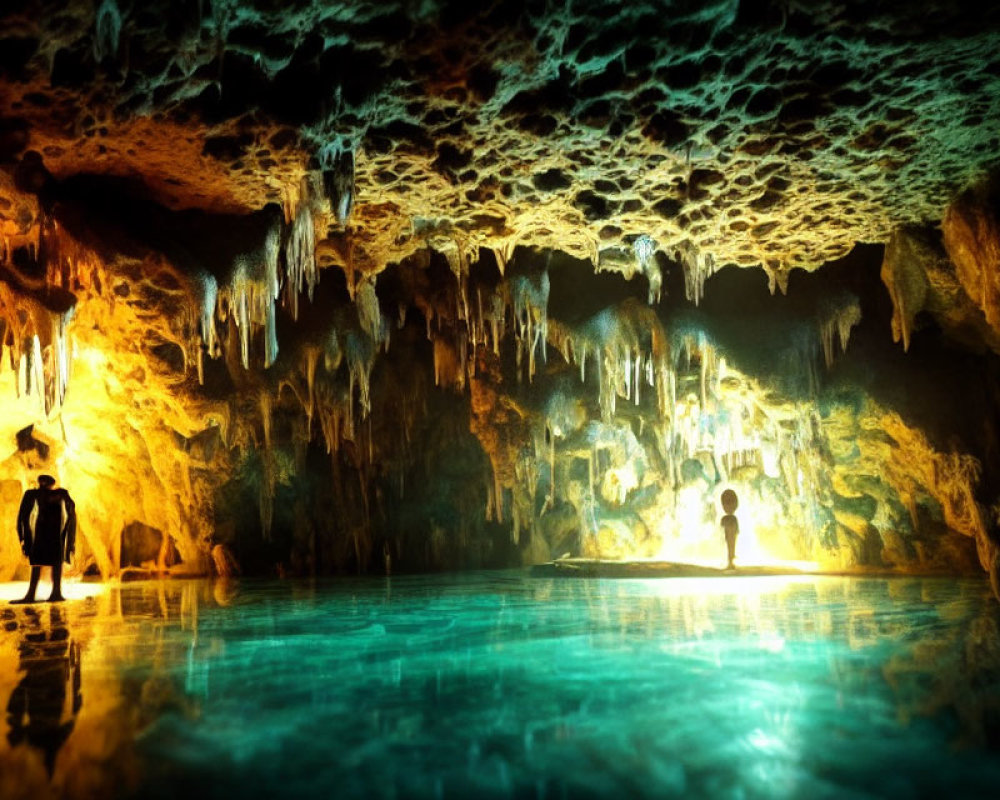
(51, 665)
(730, 525)
(53, 538)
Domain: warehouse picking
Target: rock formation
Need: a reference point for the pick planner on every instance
(301, 287)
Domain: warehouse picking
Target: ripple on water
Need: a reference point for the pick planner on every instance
(502, 684)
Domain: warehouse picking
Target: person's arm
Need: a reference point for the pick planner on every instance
(24, 520)
(69, 529)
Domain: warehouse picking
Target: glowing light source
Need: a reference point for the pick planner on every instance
(72, 590)
(695, 537)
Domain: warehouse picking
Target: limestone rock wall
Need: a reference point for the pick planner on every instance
(323, 288)
(972, 238)
(471, 418)
(922, 277)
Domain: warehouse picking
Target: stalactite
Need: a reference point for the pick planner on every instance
(61, 345)
(623, 341)
(450, 361)
(300, 257)
(644, 248)
(503, 254)
(310, 357)
(564, 415)
(369, 312)
(698, 267)
(107, 30)
(361, 352)
(331, 410)
(495, 316)
(338, 180)
(253, 291)
(268, 466)
(530, 300)
(67, 264)
(839, 316)
(39, 349)
(34, 370)
(207, 291)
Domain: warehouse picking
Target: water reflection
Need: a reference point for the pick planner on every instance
(69, 732)
(42, 708)
(499, 684)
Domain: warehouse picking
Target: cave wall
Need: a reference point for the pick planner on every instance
(442, 285)
(481, 418)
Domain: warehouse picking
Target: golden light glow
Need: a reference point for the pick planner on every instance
(72, 590)
(696, 537)
(752, 585)
(113, 444)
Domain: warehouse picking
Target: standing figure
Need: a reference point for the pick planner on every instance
(730, 525)
(53, 538)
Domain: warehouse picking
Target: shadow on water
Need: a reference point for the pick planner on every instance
(43, 707)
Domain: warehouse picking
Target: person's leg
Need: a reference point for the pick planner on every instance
(32, 586)
(56, 596)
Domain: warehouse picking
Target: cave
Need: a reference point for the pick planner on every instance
(501, 399)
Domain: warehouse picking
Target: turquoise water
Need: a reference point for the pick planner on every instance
(506, 685)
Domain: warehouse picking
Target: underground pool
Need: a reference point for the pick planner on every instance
(504, 684)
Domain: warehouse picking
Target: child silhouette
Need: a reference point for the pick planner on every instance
(730, 525)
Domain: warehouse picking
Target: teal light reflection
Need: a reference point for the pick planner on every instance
(506, 685)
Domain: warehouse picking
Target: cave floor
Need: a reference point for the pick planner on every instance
(603, 568)
(610, 568)
(505, 684)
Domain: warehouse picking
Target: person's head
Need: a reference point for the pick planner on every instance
(46, 481)
(729, 501)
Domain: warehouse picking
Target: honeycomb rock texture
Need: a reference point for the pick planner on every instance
(775, 134)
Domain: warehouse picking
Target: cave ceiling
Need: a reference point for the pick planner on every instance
(755, 133)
